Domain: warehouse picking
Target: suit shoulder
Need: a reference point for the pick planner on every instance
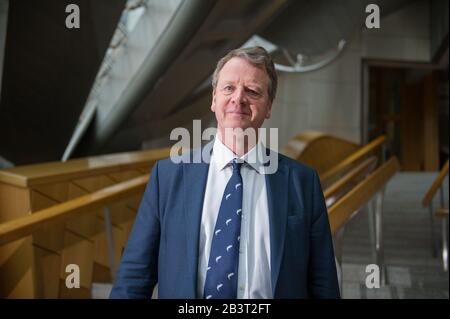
(175, 163)
(297, 166)
(167, 165)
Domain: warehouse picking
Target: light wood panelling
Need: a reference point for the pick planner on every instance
(135, 201)
(145, 170)
(32, 267)
(91, 184)
(121, 213)
(24, 288)
(46, 268)
(319, 150)
(78, 251)
(57, 192)
(101, 245)
(14, 202)
(50, 235)
(126, 225)
(16, 258)
(101, 274)
(83, 225)
(27, 225)
(16, 273)
(125, 175)
(73, 293)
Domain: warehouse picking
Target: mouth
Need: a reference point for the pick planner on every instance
(238, 113)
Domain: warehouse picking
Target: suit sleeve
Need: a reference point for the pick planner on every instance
(322, 275)
(138, 271)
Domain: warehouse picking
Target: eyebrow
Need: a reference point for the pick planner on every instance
(253, 86)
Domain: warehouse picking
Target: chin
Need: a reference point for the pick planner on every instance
(239, 124)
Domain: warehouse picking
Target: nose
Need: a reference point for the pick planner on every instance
(239, 97)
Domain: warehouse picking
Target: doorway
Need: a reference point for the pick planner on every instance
(404, 104)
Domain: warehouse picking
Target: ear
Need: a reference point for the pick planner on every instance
(269, 111)
(213, 101)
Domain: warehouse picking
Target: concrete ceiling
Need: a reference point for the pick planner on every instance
(48, 72)
(304, 26)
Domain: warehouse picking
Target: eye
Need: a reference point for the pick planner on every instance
(227, 89)
(253, 93)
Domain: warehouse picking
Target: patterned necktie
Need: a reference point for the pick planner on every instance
(222, 271)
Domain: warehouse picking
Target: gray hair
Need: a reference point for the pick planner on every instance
(256, 56)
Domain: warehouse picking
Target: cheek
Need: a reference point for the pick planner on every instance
(221, 105)
(259, 111)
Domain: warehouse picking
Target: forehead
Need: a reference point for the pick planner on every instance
(239, 69)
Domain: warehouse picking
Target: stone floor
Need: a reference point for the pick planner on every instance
(411, 269)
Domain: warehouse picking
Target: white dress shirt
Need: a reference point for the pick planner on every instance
(254, 275)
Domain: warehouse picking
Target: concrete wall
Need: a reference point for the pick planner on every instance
(330, 99)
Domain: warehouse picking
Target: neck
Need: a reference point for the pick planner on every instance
(238, 141)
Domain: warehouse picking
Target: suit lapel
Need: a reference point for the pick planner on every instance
(277, 201)
(194, 184)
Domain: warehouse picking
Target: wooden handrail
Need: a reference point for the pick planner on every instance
(343, 182)
(442, 212)
(353, 157)
(341, 211)
(58, 172)
(24, 226)
(435, 186)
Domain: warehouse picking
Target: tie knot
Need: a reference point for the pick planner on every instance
(236, 166)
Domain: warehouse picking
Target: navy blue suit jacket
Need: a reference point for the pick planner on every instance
(163, 245)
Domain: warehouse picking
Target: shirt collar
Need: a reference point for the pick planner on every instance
(222, 156)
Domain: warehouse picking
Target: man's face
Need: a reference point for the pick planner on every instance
(241, 99)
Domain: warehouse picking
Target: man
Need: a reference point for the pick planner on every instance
(224, 228)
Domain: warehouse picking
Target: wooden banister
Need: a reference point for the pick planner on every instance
(360, 153)
(350, 176)
(442, 212)
(341, 211)
(56, 172)
(435, 186)
(24, 226)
